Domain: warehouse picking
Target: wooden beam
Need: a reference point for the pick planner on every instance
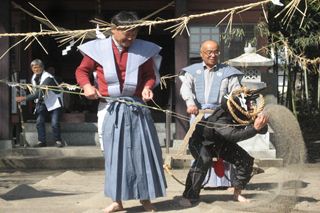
(114, 5)
(4, 72)
(181, 47)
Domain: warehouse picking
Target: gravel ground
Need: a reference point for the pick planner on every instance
(290, 189)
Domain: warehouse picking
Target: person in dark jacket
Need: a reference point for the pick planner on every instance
(218, 139)
(47, 102)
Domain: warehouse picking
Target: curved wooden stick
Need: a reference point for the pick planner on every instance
(192, 128)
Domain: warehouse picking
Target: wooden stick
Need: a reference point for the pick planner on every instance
(24, 141)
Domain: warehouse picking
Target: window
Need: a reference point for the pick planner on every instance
(233, 48)
(199, 34)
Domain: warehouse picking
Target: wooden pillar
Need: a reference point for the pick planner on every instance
(4, 74)
(181, 48)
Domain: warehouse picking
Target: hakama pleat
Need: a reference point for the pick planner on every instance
(133, 158)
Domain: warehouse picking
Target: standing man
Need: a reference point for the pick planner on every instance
(203, 86)
(126, 69)
(46, 102)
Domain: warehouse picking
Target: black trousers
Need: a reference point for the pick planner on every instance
(203, 154)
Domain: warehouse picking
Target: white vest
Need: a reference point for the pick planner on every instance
(51, 99)
(140, 51)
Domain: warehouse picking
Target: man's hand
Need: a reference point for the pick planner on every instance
(20, 99)
(147, 94)
(192, 109)
(261, 121)
(91, 92)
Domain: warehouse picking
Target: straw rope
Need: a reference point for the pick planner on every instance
(70, 89)
(142, 24)
(251, 114)
(68, 36)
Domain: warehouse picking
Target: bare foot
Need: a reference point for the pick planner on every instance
(238, 197)
(256, 170)
(184, 202)
(241, 199)
(230, 189)
(148, 207)
(113, 207)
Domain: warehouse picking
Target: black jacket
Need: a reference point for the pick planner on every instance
(220, 128)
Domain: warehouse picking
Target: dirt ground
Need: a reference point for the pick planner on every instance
(291, 189)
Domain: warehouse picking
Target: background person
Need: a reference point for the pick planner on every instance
(203, 86)
(47, 102)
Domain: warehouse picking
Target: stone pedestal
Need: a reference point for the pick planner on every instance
(5, 144)
(259, 146)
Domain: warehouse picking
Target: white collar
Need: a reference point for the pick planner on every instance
(119, 47)
(214, 68)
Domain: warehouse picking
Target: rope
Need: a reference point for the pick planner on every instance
(70, 35)
(143, 23)
(186, 138)
(167, 168)
(197, 121)
(233, 106)
(70, 90)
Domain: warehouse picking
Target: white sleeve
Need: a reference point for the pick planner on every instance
(234, 83)
(187, 88)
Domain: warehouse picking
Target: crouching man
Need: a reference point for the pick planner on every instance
(238, 118)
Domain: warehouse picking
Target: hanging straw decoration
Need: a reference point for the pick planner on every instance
(70, 37)
(290, 10)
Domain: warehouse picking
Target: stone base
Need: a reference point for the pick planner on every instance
(259, 146)
(5, 144)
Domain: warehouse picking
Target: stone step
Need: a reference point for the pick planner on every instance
(181, 161)
(87, 157)
(81, 134)
(39, 162)
(84, 126)
(77, 157)
(69, 151)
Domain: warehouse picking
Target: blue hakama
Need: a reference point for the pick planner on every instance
(133, 158)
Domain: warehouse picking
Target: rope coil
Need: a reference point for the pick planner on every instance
(250, 114)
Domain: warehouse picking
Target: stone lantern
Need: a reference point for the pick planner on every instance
(252, 65)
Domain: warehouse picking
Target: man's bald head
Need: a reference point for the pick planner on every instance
(207, 43)
(209, 52)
